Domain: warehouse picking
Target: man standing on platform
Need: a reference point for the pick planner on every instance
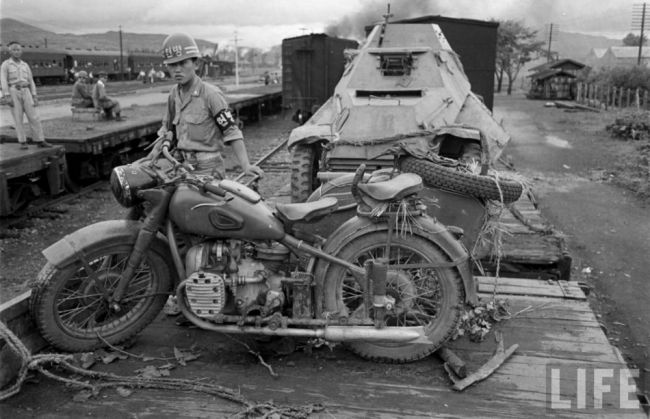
(19, 92)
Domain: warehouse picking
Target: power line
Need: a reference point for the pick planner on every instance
(553, 30)
(236, 59)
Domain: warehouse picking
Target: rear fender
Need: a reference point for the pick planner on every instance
(73, 246)
(425, 227)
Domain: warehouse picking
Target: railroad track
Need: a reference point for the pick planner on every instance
(48, 208)
(41, 208)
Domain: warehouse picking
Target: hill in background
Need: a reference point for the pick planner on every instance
(28, 35)
(577, 45)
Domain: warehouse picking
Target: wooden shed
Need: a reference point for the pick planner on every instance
(554, 80)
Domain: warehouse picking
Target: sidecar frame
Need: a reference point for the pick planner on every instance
(426, 227)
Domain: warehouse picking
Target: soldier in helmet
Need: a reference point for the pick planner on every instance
(197, 116)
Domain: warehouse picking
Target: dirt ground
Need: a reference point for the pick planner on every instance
(591, 187)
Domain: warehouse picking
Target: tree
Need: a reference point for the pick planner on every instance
(632, 40)
(516, 45)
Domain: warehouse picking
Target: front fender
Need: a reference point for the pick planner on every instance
(66, 250)
(426, 227)
(308, 140)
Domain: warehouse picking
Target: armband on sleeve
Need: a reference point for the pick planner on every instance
(225, 120)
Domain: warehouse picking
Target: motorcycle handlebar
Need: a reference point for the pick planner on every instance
(168, 156)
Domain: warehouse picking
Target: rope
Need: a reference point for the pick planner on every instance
(39, 363)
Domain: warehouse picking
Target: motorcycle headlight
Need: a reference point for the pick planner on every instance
(127, 180)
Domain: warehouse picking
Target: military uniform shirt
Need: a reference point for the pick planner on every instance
(12, 73)
(202, 120)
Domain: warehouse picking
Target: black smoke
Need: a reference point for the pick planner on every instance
(352, 26)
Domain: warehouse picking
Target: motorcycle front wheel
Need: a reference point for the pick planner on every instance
(71, 305)
(427, 297)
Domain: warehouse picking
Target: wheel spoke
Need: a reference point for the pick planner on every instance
(416, 290)
(82, 305)
(69, 314)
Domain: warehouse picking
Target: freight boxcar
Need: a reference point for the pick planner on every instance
(311, 67)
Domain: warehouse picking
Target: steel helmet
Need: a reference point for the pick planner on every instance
(178, 47)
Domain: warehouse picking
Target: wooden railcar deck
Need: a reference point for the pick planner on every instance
(552, 331)
(48, 163)
(530, 246)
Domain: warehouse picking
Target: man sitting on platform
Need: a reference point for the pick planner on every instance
(81, 92)
(103, 102)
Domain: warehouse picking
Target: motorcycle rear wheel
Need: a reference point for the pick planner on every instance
(70, 307)
(427, 297)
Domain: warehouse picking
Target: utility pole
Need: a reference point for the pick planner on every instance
(236, 61)
(638, 21)
(45, 42)
(121, 56)
(550, 41)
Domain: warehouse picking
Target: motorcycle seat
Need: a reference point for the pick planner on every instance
(394, 189)
(307, 211)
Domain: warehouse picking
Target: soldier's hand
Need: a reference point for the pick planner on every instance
(35, 99)
(254, 171)
(7, 100)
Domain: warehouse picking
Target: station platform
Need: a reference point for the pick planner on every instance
(95, 137)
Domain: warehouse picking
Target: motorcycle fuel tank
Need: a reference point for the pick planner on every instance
(234, 215)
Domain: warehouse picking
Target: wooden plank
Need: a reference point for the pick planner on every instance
(519, 286)
(505, 290)
(525, 282)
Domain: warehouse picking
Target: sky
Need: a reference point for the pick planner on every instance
(264, 23)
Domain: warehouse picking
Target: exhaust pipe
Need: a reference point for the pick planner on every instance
(331, 333)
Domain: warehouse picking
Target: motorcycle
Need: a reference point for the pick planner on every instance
(390, 283)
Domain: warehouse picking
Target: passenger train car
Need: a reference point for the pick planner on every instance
(54, 66)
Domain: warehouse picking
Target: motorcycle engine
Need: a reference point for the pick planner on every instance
(234, 278)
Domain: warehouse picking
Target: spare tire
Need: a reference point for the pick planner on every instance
(448, 178)
(305, 160)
